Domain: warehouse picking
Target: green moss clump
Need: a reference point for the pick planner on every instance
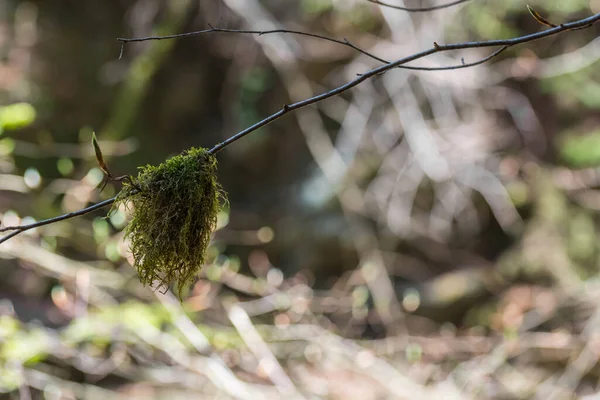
(175, 207)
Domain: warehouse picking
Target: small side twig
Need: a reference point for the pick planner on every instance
(108, 176)
(458, 66)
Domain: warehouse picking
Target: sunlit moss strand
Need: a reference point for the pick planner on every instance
(175, 208)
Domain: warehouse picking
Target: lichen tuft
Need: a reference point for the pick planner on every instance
(175, 207)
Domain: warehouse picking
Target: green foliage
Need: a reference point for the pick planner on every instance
(99, 325)
(581, 150)
(20, 345)
(575, 91)
(13, 353)
(16, 116)
(316, 6)
(175, 208)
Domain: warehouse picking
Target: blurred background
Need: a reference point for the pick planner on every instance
(425, 235)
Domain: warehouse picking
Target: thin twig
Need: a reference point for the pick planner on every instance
(459, 66)
(344, 42)
(419, 9)
(504, 43)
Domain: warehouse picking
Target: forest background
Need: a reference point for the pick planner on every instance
(427, 233)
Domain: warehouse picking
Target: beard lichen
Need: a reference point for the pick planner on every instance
(175, 207)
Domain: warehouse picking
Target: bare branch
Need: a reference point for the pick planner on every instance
(22, 228)
(344, 42)
(503, 43)
(506, 43)
(463, 65)
(213, 29)
(418, 9)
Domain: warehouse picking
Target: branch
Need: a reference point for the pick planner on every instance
(420, 9)
(344, 42)
(213, 29)
(22, 228)
(503, 43)
(463, 65)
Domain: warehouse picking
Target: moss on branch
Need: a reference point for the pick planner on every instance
(175, 207)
